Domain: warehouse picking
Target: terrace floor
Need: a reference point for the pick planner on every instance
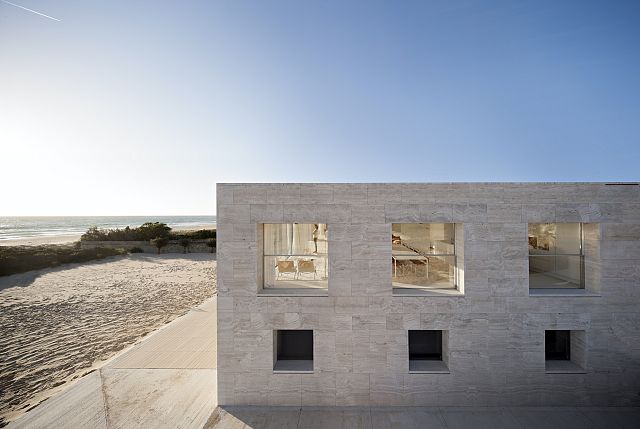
(423, 417)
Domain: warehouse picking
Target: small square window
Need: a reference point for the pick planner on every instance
(293, 351)
(425, 345)
(565, 351)
(426, 351)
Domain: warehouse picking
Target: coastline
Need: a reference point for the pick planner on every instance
(71, 238)
(40, 240)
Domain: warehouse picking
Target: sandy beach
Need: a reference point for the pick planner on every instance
(44, 239)
(59, 324)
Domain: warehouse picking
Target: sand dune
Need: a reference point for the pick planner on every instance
(58, 324)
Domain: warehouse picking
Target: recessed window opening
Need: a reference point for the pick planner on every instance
(293, 350)
(295, 256)
(557, 345)
(423, 256)
(427, 351)
(556, 256)
(425, 345)
(565, 352)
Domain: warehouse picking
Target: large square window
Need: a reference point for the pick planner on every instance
(427, 351)
(293, 351)
(423, 256)
(295, 256)
(556, 258)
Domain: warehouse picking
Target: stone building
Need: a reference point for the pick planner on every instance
(429, 294)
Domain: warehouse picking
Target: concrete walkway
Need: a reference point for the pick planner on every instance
(167, 380)
(423, 418)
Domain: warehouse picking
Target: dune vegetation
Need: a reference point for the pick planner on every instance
(19, 259)
(146, 232)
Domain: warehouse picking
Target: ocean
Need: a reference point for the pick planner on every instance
(17, 227)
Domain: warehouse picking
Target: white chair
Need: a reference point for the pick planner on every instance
(306, 266)
(286, 267)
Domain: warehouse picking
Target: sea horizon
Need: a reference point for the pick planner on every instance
(21, 227)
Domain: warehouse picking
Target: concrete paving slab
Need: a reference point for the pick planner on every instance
(407, 418)
(221, 418)
(357, 418)
(335, 417)
(552, 417)
(159, 398)
(478, 418)
(615, 417)
(255, 417)
(82, 405)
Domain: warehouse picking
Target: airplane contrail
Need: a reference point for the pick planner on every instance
(30, 10)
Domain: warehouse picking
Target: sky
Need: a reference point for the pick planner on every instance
(141, 107)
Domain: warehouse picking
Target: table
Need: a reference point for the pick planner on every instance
(407, 255)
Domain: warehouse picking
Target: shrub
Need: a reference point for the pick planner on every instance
(152, 230)
(144, 232)
(159, 242)
(19, 259)
(94, 234)
(201, 234)
(136, 249)
(211, 243)
(185, 242)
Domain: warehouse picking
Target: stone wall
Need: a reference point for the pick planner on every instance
(196, 246)
(494, 326)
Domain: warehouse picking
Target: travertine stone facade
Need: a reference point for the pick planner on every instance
(495, 328)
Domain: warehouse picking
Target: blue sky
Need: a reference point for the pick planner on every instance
(141, 107)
